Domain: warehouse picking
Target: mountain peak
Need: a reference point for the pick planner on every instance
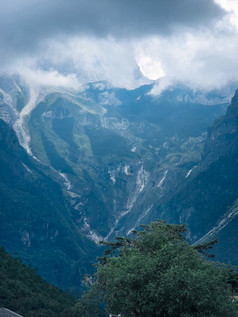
(232, 110)
(235, 98)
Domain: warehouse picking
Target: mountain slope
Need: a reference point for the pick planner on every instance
(93, 164)
(35, 220)
(23, 291)
(208, 199)
(113, 147)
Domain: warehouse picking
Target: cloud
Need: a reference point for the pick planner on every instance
(79, 60)
(204, 59)
(51, 78)
(231, 6)
(68, 43)
(24, 24)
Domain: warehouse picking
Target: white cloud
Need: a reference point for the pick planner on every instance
(231, 6)
(73, 61)
(205, 56)
(151, 68)
(160, 85)
(51, 77)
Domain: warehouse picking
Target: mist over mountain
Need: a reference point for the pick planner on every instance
(35, 220)
(114, 114)
(79, 167)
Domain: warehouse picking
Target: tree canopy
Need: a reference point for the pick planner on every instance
(157, 273)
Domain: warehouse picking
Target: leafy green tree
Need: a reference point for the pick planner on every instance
(159, 274)
(233, 280)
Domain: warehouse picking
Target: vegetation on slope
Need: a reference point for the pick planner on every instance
(25, 292)
(209, 194)
(36, 221)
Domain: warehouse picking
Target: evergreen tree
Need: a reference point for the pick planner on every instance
(158, 274)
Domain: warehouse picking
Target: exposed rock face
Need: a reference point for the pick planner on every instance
(97, 164)
(35, 220)
(222, 138)
(208, 199)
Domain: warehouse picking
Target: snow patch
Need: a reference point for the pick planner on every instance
(190, 171)
(18, 88)
(7, 111)
(232, 213)
(67, 183)
(92, 234)
(112, 176)
(109, 99)
(48, 114)
(27, 168)
(126, 170)
(7, 99)
(20, 124)
(161, 182)
(141, 181)
(144, 214)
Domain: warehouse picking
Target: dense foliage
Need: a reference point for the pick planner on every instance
(23, 291)
(158, 274)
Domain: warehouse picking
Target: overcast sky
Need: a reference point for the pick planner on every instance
(69, 42)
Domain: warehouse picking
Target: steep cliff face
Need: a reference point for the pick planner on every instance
(208, 199)
(35, 220)
(93, 164)
(222, 137)
(117, 152)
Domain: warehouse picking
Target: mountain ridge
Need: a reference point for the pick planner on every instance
(35, 220)
(101, 162)
(208, 200)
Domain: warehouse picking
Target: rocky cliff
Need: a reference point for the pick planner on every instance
(94, 164)
(35, 220)
(207, 200)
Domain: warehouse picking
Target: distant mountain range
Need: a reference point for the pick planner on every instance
(83, 166)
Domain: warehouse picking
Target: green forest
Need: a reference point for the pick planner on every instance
(23, 291)
(156, 272)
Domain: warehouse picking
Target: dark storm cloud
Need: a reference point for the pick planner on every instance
(25, 23)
